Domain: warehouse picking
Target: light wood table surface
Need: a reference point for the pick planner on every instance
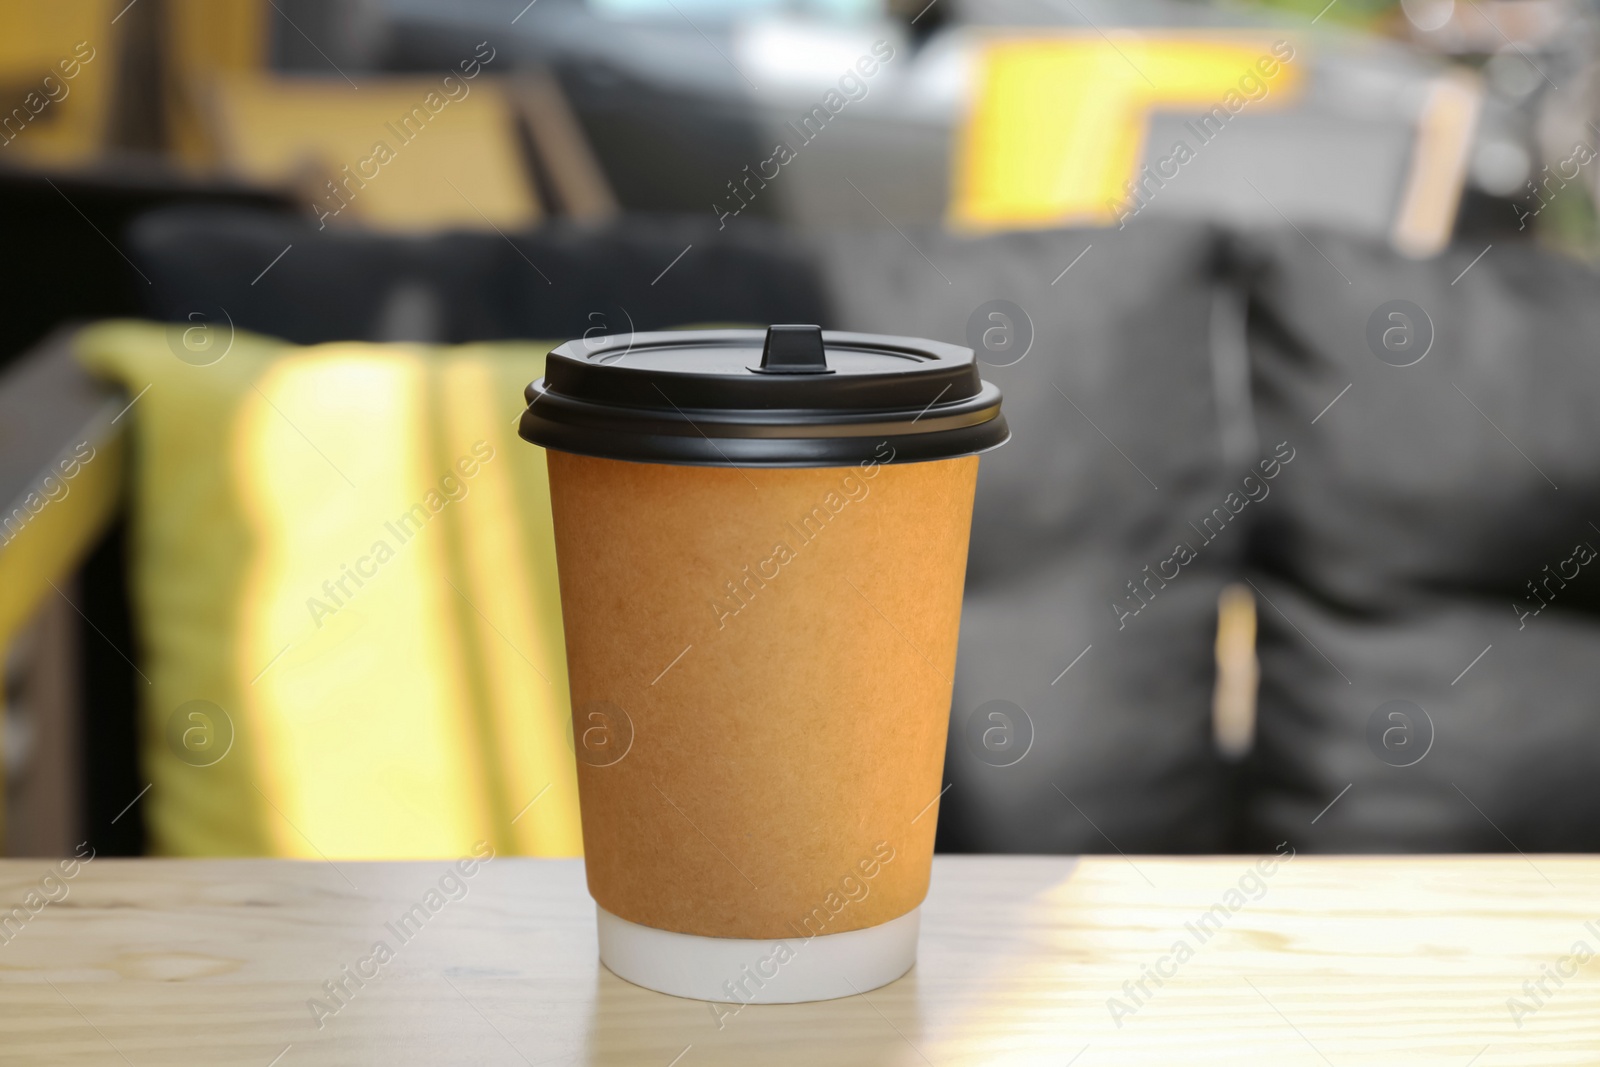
(1336, 961)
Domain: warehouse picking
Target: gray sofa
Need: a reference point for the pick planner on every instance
(1412, 530)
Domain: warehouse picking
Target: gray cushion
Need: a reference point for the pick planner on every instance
(1418, 507)
(1069, 511)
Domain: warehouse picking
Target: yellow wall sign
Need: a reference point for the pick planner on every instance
(1057, 127)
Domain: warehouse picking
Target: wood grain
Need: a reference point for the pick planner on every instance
(1338, 961)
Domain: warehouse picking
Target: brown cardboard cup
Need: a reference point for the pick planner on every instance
(761, 660)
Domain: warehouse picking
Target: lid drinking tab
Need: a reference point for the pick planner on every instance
(794, 350)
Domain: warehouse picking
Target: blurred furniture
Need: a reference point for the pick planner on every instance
(1125, 427)
(68, 260)
(344, 583)
(61, 72)
(566, 171)
(1360, 132)
(417, 153)
(200, 42)
(1405, 529)
(563, 280)
(1378, 563)
(1378, 138)
(198, 87)
(211, 507)
(68, 253)
(1071, 128)
(1061, 124)
(1433, 543)
(61, 456)
(408, 154)
(1022, 960)
(667, 115)
(444, 148)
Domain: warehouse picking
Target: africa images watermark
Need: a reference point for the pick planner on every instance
(1210, 528)
(1582, 155)
(53, 888)
(51, 90)
(403, 528)
(1251, 887)
(411, 125)
(852, 88)
(200, 733)
(1538, 991)
(999, 732)
(852, 888)
(52, 487)
(741, 592)
(1583, 553)
(352, 978)
(1254, 84)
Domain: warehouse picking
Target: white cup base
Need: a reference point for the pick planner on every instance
(777, 971)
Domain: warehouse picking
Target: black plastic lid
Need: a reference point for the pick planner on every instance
(793, 396)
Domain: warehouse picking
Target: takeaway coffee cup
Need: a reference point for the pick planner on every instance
(761, 541)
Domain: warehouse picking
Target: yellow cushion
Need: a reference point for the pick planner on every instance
(347, 550)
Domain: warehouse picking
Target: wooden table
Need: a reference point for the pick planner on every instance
(1332, 961)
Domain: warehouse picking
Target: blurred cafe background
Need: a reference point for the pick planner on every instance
(1293, 304)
